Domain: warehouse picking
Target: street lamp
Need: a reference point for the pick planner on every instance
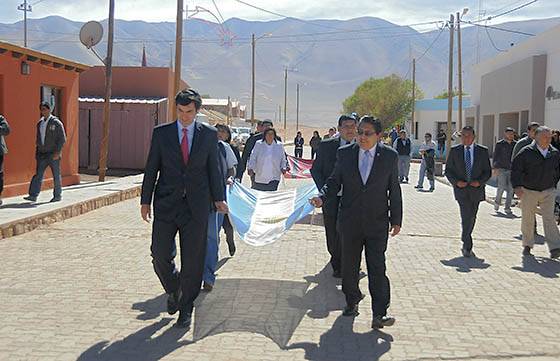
(253, 46)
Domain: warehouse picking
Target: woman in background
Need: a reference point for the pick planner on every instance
(314, 143)
(267, 162)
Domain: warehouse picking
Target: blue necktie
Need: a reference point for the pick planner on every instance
(364, 166)
(468, 163)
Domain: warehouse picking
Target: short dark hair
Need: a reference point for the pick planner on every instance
(226, 129)
(375, 123)
(509, 129)
(429, 134)
(344, 118)
(187, 96)
(270, 130)
(267, 121)
(259, 123)
(45, 104)
(468, 128)
(533, 125)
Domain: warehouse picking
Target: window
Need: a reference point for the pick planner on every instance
(53, 96)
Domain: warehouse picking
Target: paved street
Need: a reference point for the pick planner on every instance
(84, 289)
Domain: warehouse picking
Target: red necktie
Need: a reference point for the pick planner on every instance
(185, 146)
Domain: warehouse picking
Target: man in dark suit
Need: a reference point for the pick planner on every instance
(321, 170)
(370, 208)
(184, 153)
(4, 131)
(468, 169)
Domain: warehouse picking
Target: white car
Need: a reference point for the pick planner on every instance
(240, 134)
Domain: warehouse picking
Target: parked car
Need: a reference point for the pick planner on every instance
(240, 134)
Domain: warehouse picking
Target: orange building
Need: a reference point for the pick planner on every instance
(28, 77)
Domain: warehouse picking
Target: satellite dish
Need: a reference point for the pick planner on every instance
(91, 33)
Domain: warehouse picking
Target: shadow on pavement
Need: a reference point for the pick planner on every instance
(23, 205)
(465, 265)
(544, 267)
(505, 215)
(141, 345)
(357, 346)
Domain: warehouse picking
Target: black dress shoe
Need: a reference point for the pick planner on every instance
(55, 199)
(337, 274)
(353, 309)
(184, 320)
(207, 287)
(173, 302)
(555, 253)
(30, 198)
(527, 251)
(382, 321)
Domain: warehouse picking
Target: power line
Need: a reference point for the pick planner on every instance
(492, 42)
(512, 10)
(500, 29)
(218, 10)
(427, 50)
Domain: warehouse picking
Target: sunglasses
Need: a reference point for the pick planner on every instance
(366, 133)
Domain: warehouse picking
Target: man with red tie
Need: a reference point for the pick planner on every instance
(182, 175)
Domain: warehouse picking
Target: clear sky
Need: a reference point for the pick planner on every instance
(397, 11)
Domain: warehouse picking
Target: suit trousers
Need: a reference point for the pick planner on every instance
(469, 210)
(192, 242)
(353, 242)
(330, 219)
(545, 201)
(404, 166)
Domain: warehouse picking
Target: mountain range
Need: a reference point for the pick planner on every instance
(328, 58)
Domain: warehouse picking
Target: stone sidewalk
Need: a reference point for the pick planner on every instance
(84, 289)
(18, 216)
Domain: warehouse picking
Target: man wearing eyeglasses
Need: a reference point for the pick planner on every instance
(370, 209)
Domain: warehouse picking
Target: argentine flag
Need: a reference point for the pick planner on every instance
(261, 218)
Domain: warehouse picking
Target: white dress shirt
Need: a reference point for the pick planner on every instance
(190, 134)
(43, 128)
(371, 159)
(544, 152)
(267, 161)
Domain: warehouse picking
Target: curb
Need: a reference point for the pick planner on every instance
(28, 224)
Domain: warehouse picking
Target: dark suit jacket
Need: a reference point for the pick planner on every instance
(199, 182)
(4, 130)
(323, 167)
(455, 171)
(372, 206)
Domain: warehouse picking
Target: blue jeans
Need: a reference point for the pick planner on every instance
(44, 161)
(504, 184)
(423, 174)
(215, 221)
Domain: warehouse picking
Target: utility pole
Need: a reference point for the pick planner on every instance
(285, 99)
(297, 108)
(280, 118)
(413, 130)
(104, 149)
(460, 75)
(253, 42)
(450, 86)
(25, 7)
(178, 54)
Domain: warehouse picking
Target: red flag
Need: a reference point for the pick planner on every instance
(299, 168)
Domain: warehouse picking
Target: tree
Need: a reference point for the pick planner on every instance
(444, 94)
(389, 99)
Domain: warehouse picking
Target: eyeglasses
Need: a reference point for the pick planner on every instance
(366, 133)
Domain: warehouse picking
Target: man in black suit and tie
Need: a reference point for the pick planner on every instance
(370, 208)
(468, 169)
(321, 170)
(184, 153)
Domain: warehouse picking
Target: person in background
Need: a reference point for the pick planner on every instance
(314, 143)
(427, 151)
(535, 173)
(403, 146)
(48, 153)
(250, 144)
(298, 144)
(556, 139)
(394, 135)
(526, 140)
(320, 171)
(224, 134)
(267, 162)
(468, 169)
(501, 164)
(441, 139)
(226, 163)
(330, 134)
(4, 131)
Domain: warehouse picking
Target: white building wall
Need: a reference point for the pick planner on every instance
(552, 107)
